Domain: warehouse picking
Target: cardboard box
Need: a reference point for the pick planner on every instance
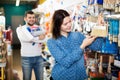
(92, 19)
(100, 31)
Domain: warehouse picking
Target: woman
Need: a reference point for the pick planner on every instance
(68, 47)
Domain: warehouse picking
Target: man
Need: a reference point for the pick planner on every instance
(31, 37)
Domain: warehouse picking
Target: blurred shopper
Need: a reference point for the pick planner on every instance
(31, 37)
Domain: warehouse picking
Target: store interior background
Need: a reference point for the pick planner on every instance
(14, 14)
(14, 17)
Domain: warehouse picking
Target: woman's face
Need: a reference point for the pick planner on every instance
(66, 25)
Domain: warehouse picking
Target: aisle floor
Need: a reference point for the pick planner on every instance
(17, 63)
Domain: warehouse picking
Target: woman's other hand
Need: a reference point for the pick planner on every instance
(87, 41)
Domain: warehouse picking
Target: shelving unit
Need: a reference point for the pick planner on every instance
(3, 46)
(98, 65)
(2, 70)
(3, 53)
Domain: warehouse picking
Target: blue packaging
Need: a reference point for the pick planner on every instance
(100, 2)
(109, 48)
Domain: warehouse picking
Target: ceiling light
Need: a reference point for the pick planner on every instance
(17, 2)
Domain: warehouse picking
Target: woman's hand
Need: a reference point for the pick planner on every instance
(87, 41)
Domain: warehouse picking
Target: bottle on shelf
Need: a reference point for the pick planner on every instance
(117, 59)
(115, 72)
(0, 32)
(100, 66)
(119, 76)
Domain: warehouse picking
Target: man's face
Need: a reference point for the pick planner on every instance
(30, 19)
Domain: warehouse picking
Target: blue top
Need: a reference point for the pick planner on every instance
(69, 56)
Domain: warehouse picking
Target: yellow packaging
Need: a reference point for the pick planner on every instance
(100, 31)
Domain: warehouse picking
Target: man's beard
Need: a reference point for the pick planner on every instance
(30, 24)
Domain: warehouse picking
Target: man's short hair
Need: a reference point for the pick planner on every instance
(28, 12)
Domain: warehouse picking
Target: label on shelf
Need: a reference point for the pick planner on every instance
(117, 63)
(114, 78)
(9, 53)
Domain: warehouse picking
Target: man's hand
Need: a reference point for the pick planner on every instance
(42, 36)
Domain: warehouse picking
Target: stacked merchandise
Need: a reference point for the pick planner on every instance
(108, 58)
(98, 66)
(105, 63)
(48, 62)
(3, 47)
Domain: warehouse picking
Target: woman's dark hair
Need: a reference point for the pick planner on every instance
(57, 21)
